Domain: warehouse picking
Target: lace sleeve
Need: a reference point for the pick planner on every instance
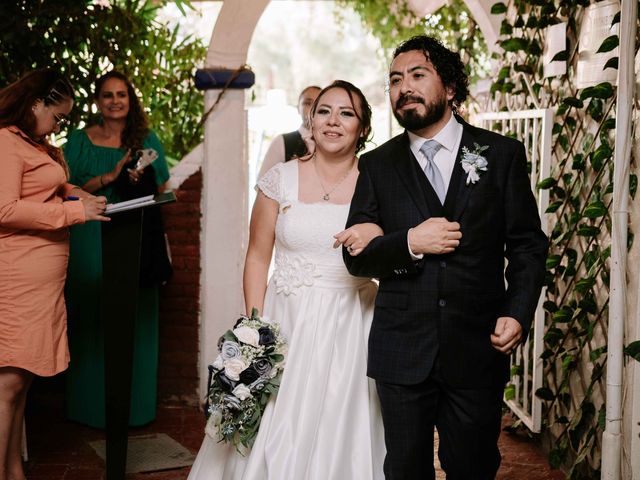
(271, 183)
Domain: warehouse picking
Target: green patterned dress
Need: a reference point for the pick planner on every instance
(85, 376)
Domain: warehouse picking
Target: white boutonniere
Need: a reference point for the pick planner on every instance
(473, 162)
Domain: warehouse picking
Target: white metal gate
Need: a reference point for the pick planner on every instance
(533, 128)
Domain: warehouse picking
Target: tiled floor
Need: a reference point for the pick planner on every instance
(59, 449)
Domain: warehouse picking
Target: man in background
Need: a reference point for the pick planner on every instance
(290, 145)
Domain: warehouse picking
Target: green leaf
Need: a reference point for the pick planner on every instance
(573, 102)
(524, 69)
(550, 306)
(633, 350)
(557, 457)
(597, 353)
(561, 56)
(514, 44)
(534, 48)
(616, 19)
(563, 140)
(554, 206)
(596, 109)
(568, 362)
(602, 90)
(545, 393)
(611, 63)
(509, 392)
(578, 162)
(562, 109)
(608, 124)
(584, 284)
(553, 261)
(602, 417)
(504, 73)
(498, 8)
(506, 28)
(601, 154)
(548, 8)
(595, 209)
(546, 183)
(609, 44)
(548, 353)
(553, 335)
(588, 231)
(563, 315)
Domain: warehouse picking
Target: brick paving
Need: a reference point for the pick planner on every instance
(59, 449)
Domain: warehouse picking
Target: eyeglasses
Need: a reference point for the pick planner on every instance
(60, 120)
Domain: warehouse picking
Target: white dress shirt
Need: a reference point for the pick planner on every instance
(449, 137)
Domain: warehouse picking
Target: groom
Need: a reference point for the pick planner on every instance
(454, 202)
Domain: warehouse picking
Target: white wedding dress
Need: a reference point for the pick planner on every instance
(325, 422)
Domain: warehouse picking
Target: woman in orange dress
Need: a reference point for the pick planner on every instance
(36, 207)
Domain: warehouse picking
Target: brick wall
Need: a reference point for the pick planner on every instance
(180, 298)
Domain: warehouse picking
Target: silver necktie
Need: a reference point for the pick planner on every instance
(429, 149)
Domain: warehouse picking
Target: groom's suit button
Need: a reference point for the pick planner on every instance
(442, 302)
(443, 264)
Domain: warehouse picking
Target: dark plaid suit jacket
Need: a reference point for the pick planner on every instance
(447, 305)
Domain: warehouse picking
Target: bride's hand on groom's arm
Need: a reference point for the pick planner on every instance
(357, 237)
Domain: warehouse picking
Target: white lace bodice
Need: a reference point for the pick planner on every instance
(304, 233)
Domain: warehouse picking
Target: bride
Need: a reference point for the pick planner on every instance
(325, 422)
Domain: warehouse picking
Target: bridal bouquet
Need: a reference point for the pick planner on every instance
(242, 378)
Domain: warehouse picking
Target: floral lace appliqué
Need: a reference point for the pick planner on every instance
(291, 273)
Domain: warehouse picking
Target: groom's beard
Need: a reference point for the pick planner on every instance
(414, 121)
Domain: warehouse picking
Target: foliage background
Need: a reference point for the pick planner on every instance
(391, 21)
(87, 38)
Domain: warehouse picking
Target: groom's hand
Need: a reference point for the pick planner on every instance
(507, 335)
(435, 236)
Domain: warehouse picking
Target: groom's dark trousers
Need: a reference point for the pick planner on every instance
(429, 347)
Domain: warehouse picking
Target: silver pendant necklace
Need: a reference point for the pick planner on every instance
(327, 194)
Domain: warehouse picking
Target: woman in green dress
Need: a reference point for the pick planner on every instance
(98, 158)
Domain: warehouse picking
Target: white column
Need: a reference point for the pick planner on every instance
(631, 407)
(224, 183)
(612, 437)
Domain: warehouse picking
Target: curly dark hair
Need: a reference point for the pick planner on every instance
(365, 119)
(137, 126)
(446, 62)
(18, 98)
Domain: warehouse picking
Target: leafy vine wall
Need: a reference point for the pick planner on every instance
(580, 187)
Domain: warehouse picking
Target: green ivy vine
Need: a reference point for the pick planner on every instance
(392, 21)
(580, 191)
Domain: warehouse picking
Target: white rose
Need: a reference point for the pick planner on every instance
(242, 391)
(233, 368)
(247, 335)
(218, 364)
